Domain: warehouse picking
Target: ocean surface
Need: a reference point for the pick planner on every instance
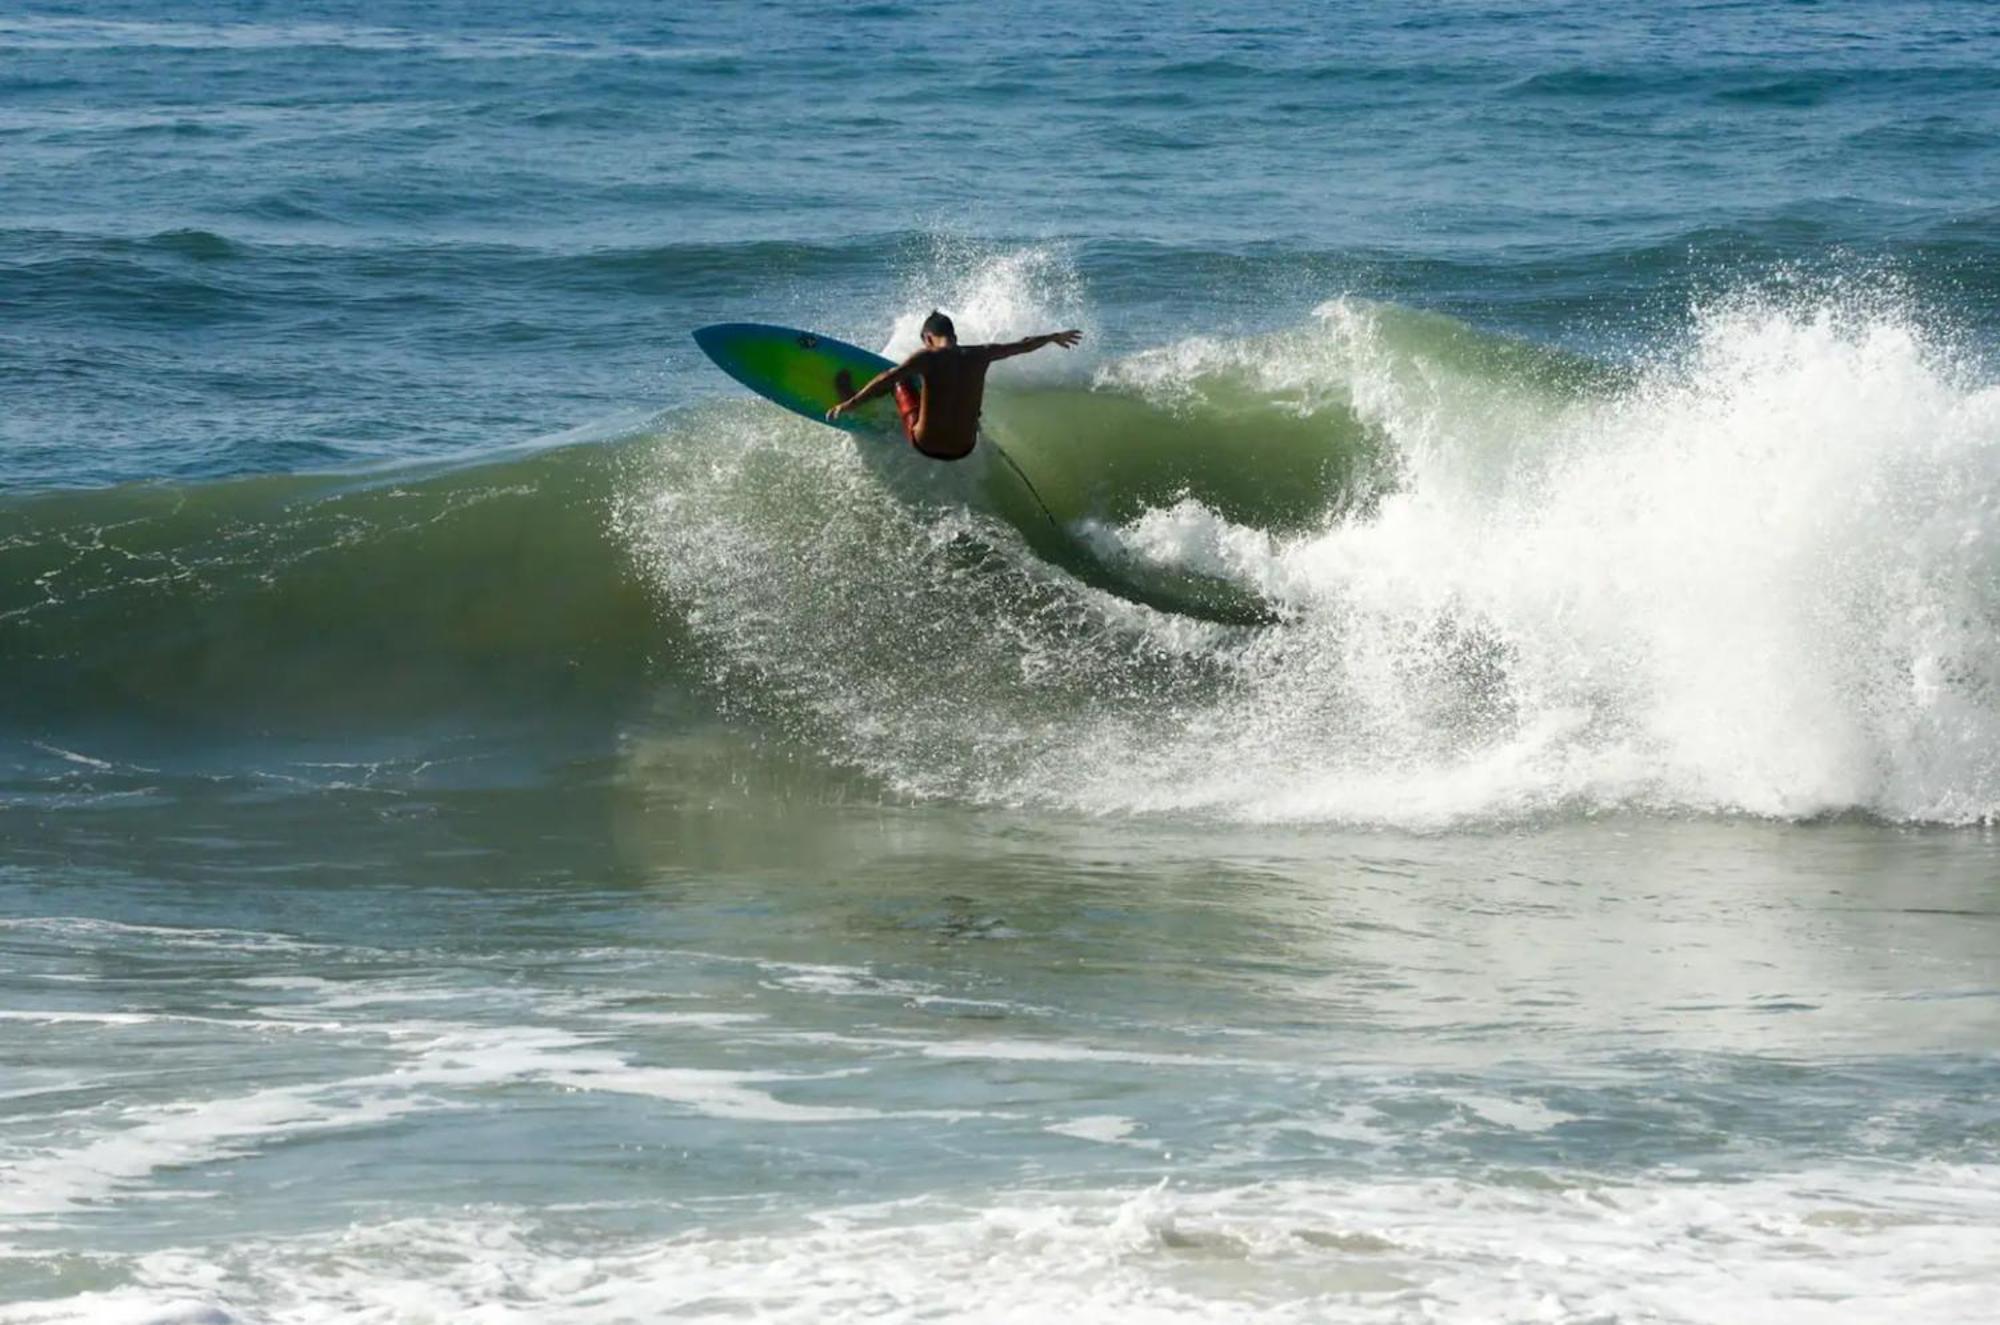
(1475, 803)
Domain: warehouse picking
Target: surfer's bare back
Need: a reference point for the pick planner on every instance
(941, 418)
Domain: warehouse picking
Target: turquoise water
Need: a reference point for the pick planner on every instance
(1478, 806)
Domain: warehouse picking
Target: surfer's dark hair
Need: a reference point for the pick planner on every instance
(937, 324)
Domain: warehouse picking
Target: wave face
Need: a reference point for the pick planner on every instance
(1756, 575)
(304, 605)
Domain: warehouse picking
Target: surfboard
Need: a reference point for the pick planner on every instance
(803, 371)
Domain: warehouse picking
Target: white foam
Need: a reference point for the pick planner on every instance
(90, 929)
(1053, 1051)
(1188, 536)
(178, 1136)
(125, 1306)
(1515, 1114)
(1105, 1128)
(999, 296)
(691, 1019)
(840, 981)
(1761, 580)
(716, 1094)
(75, 757)
(1829, 1247)
(434, 1061)
(55, 1017)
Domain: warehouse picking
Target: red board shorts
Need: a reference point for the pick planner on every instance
(909, 405)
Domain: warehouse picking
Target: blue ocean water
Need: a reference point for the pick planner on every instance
(1472, 802)
(241, 239)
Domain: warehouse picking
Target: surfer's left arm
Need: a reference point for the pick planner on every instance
(885, 379)
(1008, 349)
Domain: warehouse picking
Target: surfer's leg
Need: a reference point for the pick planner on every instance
(910, 405)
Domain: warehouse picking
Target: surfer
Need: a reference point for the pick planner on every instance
(940, 388)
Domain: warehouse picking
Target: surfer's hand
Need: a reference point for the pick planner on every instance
(837, 410)
(1066, 339)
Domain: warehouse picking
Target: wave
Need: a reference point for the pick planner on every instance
(299, 603)
(1493, 581)
(51, 33)
(294, 598)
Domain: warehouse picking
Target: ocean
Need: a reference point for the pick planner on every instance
(1478, 806)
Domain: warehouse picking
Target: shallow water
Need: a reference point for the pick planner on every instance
(594, 1051)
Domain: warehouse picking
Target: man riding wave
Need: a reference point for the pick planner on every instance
(940, 388)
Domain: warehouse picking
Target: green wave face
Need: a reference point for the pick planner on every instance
(1283, 431)
(532, 586)
(303, 604)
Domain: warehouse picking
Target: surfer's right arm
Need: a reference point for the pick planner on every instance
(1008, 349)
(885, 379)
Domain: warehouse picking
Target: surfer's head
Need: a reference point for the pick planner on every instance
(938, 331)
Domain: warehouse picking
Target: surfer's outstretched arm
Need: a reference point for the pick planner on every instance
(1008, 349)
(883, 380)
